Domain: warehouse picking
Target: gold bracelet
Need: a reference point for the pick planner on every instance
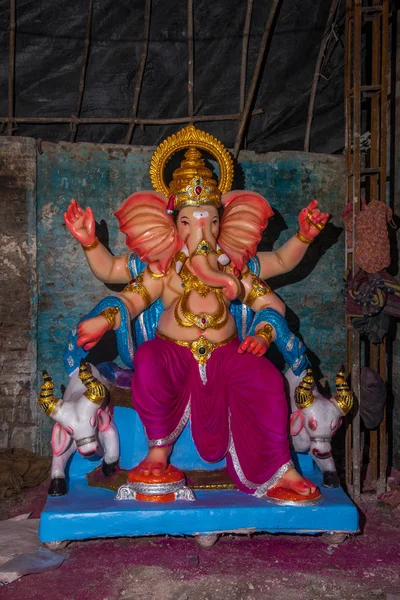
(204, 249)
(266, 333)
(303, 238)
(109, 314)
(259, 288)
(136, 287)
(92, 245)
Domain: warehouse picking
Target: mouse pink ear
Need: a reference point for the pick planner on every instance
(149, 230)
(244, 219)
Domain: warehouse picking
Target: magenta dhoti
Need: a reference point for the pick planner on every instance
(240, 413)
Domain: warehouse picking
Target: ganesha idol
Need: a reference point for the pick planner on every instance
(203, 317)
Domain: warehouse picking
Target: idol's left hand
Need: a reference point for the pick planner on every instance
(312, 220)
(254, 344)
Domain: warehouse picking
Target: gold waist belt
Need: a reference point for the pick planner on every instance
(201, 348)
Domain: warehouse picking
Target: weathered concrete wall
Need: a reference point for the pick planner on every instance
(102, 176)
(18, 410)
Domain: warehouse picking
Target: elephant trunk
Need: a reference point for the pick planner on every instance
(205, 265)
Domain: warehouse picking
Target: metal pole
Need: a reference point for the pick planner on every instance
(256, 74)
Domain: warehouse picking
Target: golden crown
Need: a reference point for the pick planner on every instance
(192, 183)
(47, 400)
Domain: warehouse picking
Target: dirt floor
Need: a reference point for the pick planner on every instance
(280, 567)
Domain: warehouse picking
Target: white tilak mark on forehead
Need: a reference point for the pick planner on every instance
(200, 215)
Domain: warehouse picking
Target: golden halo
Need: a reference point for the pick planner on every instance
(191, 137)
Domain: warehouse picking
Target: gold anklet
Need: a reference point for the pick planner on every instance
(109, 314)
(266, 333)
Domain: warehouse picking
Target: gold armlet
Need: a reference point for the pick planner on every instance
(204, 249)
(302, 238)
(109, 314)
(259, 288)
(136, 287)
(92, 245)
(266, 333)
(157, 275)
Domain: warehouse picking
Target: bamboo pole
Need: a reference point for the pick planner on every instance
(245, 46)
(356, 193)
(82, 79)
(321, 55)
(11, 68)
(256, 75)
(190, 59)
(127, 120)
(140, 73)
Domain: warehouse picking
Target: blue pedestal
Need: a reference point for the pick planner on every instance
(92, 512)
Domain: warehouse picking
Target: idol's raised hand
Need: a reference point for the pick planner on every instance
(312, 220)
(81, 223)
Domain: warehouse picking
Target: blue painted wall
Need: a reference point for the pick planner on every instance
(102, 176)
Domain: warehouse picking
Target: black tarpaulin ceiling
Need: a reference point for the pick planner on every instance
(50, 39)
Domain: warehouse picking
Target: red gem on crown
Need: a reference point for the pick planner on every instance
(198, 190)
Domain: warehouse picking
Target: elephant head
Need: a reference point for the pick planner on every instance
(195, 217)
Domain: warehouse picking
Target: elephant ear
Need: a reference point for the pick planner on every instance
(244, 219)
(149, 230)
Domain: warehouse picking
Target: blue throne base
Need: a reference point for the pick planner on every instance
(92, 512)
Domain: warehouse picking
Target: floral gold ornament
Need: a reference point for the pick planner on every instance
(204, 248)
(303, 394)
(192, 183)
(95, 391)
(200, 348)
(344, 398)
(47, 400)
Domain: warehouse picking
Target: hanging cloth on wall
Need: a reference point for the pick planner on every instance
(372, 250)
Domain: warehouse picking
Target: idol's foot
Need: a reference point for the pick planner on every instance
(293, 489)
(156, 461)
(292, 480)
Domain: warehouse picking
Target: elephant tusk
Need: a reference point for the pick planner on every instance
(223, 258)
(179, 263)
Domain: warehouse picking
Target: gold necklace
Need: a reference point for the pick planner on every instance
(201, 320)
(191, 282)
